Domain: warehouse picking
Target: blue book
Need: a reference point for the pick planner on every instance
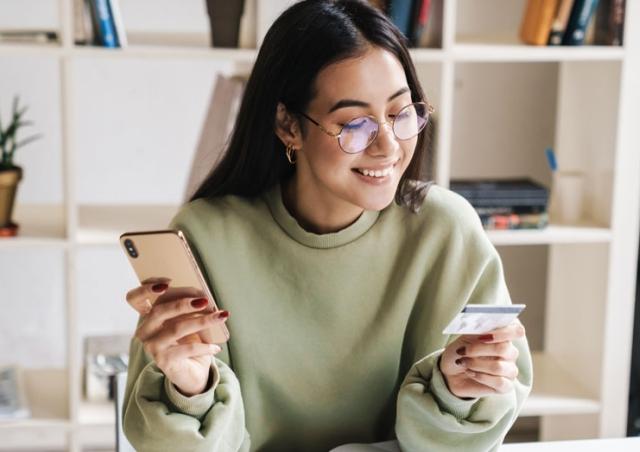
(581, 15)
(400, 14)
(106, 29)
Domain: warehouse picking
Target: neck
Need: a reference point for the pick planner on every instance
(314, 210)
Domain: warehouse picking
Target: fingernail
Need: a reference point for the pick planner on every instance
(459, 362)
(486, 337)
(461, 351)
(215, 348)
(199, 303)
(223, 314)
(161, 287)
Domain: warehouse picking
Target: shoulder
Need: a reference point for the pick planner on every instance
(209, 212)
(441, 208)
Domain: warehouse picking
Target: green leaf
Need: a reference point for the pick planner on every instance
(28, 140)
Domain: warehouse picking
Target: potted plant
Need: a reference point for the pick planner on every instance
(11, 174)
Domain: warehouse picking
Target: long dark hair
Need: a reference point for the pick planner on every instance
(306, 38)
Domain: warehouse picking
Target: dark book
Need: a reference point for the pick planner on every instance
(581, 14)
(400, 14)
(609, 22)
(506, 193)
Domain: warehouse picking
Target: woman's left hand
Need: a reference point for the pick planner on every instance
(476, 366)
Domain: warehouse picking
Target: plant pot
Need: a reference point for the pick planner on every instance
(9, 178)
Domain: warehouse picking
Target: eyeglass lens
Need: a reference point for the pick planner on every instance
(359, 133)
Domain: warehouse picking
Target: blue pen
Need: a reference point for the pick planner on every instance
(551, 159)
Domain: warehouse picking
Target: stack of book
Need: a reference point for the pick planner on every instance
(506, 203)
(99, 22)
(573, 22)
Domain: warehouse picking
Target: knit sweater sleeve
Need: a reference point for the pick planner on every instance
(157, 417)
(429, 416)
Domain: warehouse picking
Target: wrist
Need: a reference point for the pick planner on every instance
(202, 388)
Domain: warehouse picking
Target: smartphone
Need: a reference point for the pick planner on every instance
(482, 318)
(166, 254)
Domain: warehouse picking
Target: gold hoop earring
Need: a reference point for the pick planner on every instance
(290, 153)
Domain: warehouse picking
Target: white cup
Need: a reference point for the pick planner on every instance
(567, 197)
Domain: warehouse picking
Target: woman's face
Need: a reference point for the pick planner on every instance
(372, 84)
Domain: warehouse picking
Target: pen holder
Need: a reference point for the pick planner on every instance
(567, 197)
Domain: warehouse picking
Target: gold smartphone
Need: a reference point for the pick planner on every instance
(166, 254)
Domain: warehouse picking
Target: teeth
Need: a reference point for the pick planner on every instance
(376, 173)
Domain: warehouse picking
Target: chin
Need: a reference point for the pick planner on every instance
(378, 201)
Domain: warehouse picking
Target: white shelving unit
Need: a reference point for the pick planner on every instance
(499, 105)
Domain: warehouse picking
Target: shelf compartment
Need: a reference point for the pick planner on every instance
(40, 224)
(554, 392)
(103, 225)
(47, 397)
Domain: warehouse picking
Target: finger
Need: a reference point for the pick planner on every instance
(178, 353)
(514, 330)
(490, 366)
(171, 333)
(144, 296)
(503, 350)
(500, 385)
(162, 312)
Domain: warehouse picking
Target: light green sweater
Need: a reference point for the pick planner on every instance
(334, 337)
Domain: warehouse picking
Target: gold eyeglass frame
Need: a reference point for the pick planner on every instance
(430, 111)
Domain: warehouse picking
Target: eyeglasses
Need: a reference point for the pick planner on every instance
(357, 134)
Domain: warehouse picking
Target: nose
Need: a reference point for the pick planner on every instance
(385, 143)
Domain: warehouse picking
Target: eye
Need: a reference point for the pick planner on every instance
(355, 124)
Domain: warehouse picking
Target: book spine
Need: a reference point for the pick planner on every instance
(400, 15)
(579, 21)
(537, 22)
(616, 23)
(559, 24)
(421, 21)
(116, 15)
(105, 24)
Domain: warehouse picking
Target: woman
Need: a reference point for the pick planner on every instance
(339, 269)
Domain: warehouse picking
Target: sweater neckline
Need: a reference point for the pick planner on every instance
(292, 228)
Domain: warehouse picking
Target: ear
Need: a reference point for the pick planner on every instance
(287, 127)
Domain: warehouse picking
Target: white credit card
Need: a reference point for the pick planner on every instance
(482, 318)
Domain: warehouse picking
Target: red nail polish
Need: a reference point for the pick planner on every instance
(486, 337)
(199, 303)
(160, 287)
(461, 351)
(223, 314)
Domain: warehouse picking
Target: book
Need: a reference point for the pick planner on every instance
(400, 13)
(515, 221)
(581, 15)
(559, 24)
(103, 24)
(216, 129)
(536, 23)
(421, 19)
(116, 16)
(13, 398)
(522, 193)
(609, 22)
(431, 33)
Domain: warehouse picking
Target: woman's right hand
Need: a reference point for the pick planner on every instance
(169, 331)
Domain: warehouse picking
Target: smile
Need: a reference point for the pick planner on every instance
(380, 172)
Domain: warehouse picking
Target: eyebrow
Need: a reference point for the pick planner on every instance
(358, 103)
